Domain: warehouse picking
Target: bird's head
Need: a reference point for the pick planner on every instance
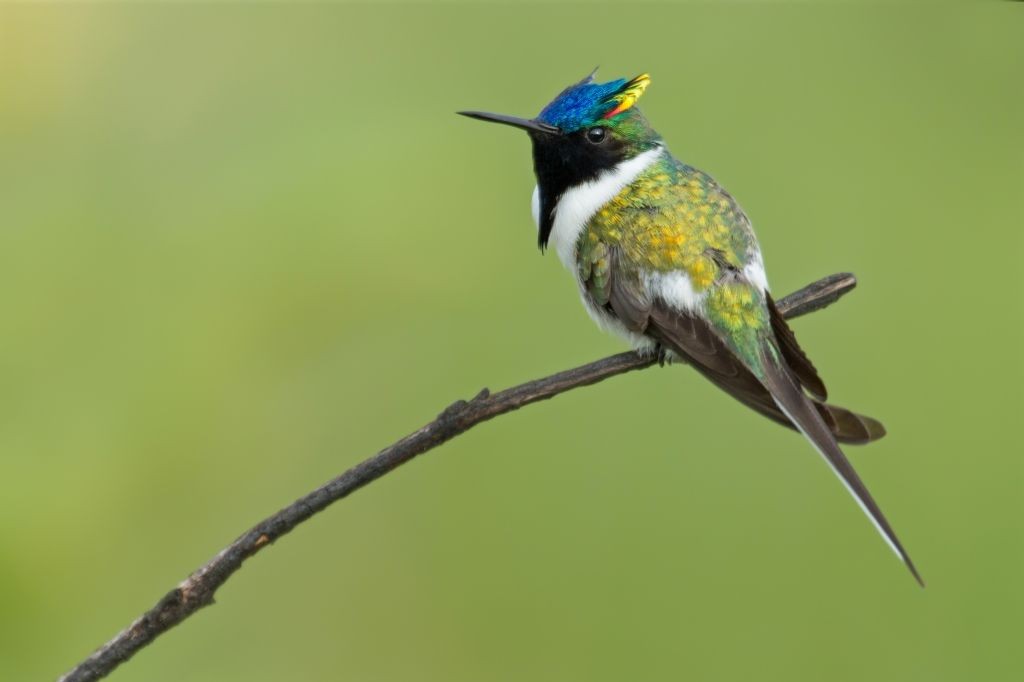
(589, 128)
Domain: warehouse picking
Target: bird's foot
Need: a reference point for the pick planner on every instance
(663, 355)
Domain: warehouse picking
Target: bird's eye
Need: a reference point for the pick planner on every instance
(596, 135)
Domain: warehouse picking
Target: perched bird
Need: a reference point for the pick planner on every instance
(666, 258)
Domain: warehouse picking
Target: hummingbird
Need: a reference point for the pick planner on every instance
(665, 258)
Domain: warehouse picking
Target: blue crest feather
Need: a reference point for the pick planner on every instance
(581, 104)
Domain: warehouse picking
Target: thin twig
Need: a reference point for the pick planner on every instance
(198, 589)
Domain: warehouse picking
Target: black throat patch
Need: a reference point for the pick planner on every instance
(563, 162)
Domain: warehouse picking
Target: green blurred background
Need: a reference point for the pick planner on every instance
(242, 249)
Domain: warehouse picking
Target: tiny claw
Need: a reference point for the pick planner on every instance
(662, 354)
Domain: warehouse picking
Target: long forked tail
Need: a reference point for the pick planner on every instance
(801, 411)
(847, 426)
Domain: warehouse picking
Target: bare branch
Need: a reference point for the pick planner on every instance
(198, 589)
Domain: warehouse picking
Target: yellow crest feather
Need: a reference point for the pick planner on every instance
(629, 94)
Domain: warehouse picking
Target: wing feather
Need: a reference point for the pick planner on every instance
(795, 357)
(611, 289)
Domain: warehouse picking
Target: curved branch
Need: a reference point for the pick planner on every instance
(197, 590)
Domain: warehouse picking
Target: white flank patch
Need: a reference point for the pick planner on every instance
(676, 289)
(849, 488)
(579, 204)
(754, 272)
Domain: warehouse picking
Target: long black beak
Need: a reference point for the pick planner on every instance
(523, 123)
